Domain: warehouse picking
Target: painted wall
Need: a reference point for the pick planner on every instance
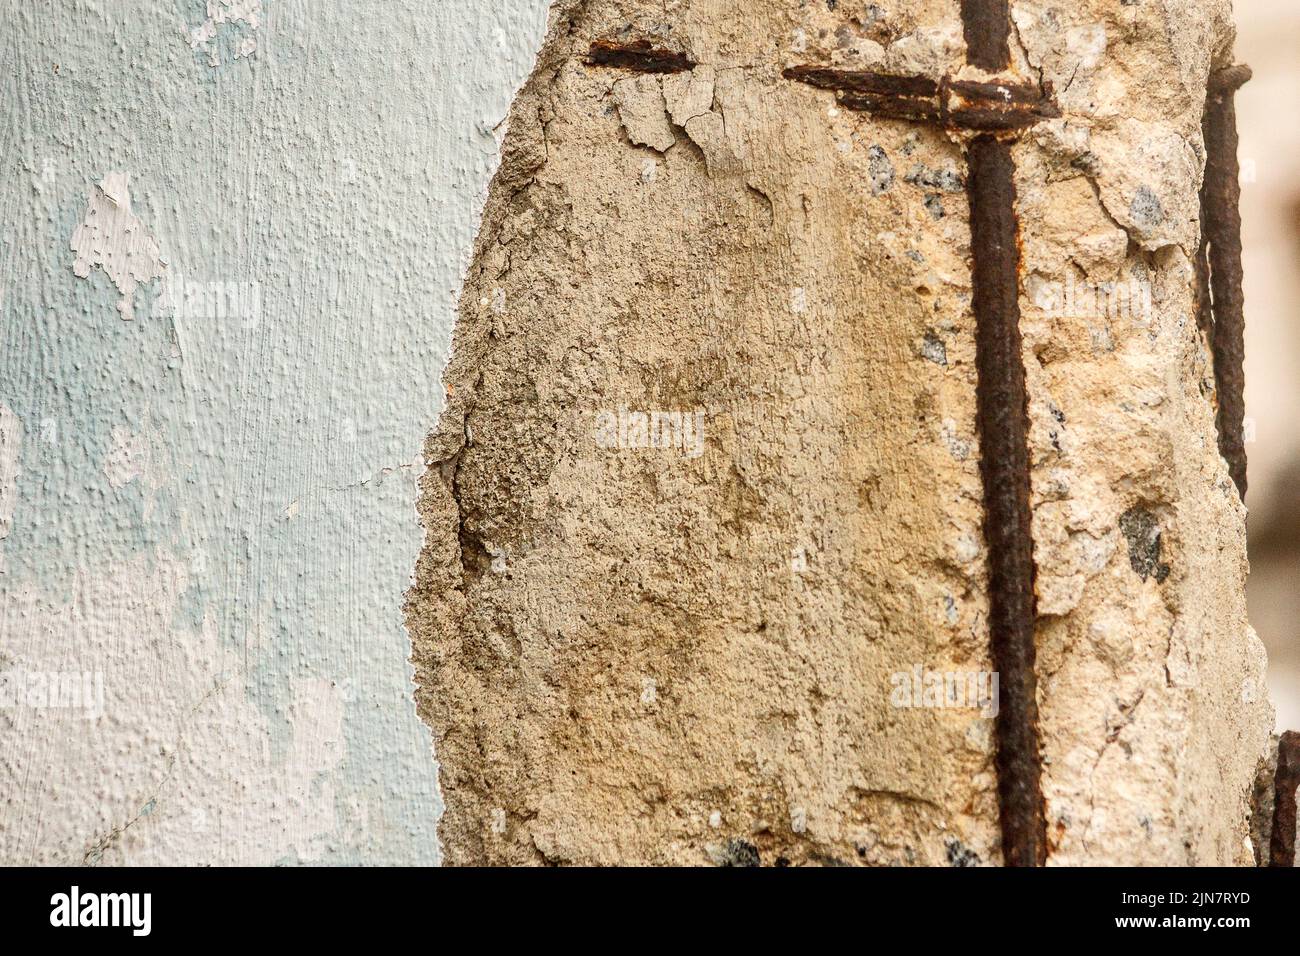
(231, 237)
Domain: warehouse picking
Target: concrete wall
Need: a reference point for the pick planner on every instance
(677, 649)
(231, 236)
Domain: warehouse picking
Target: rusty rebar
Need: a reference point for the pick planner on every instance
(864, 81)
(1002, 419)
(957, 104)
(986, 25)
(1285, 780)
(640, 56)
(1219, 267)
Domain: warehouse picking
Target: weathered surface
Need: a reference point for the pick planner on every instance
(685, 652)
(207, 513)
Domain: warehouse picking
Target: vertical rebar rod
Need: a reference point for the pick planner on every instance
(1002, 419)
(1221, 244)
(1285, 780)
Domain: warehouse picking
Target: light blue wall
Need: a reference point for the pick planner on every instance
(215, 511)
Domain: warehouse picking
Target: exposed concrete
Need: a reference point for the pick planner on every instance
(631, 654)
(208, 513)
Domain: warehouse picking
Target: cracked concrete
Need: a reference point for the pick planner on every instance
(770, 270)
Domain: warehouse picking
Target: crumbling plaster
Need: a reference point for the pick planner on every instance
(628, 654)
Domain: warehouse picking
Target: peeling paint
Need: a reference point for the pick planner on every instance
(239, 17)
(126, 459)
(213, 506)
(113, 238)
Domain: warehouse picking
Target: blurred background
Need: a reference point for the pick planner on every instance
(1269, 40)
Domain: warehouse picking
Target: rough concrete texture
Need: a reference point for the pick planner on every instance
(675, 651)
(208, 512)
